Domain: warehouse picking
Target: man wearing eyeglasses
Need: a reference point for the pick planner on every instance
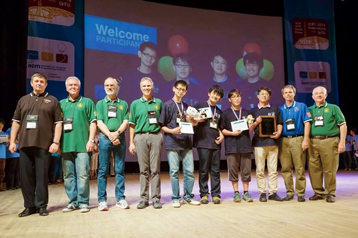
(178, 144)
(147, 54)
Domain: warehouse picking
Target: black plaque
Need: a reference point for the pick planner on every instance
(267, 126)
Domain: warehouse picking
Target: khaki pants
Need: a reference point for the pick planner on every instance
(323, 161)
(261, 154)
(291, 155)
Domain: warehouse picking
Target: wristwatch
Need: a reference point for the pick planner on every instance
(91, 141)
(56, 143)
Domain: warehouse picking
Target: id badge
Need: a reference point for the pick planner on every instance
(68, 124)
(213, 124)
(318, 121)
(31, 121)
(290, 124)
(152, 117)
(112, 111)
(179, 119)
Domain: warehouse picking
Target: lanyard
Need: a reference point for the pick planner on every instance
(74, 108)
(213, 116)
(237, 118)
(39, 103)
(182, 108)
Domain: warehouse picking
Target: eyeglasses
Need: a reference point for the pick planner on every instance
(185, 66)
(181, 89)
(150, 57)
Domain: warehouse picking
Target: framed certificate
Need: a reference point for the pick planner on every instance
(267, 126)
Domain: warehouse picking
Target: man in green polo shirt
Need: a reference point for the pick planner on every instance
(328, 133)
(147, 141)
(79, 129)
(112, 120)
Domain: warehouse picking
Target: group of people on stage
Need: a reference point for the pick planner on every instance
(45, 125)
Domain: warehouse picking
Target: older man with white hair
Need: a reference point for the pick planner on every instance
(328, 133)
(79, 129)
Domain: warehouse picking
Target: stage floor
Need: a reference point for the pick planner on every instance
(229, 219)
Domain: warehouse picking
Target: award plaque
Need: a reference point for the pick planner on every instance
(267, 126)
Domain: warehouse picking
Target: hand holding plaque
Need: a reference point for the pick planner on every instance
(267, 126)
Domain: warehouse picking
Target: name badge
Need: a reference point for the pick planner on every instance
(68, 124)
(318, 121)
(179, 119)
(152, 117)
(213, 124)
(112, 111)
(290, 124)
(31, 121)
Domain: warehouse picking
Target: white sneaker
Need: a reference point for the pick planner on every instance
(70, 207)
(122, 204)
(84, 208)
(102, 206)
(176, 203)
(192, 202)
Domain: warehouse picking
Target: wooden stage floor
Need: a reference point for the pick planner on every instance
(229, 219)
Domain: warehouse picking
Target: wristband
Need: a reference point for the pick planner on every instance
(56, 143)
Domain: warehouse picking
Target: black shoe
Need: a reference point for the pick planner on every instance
(27, 212)
(330, 198)
(263, 197)
(288, 197)
(316, 197)
(301, 199)
(43, 211)
(275, 197)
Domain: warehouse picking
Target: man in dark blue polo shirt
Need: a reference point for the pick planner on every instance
(266, 147)
(207, 140)
(294, 142)
(178, 144)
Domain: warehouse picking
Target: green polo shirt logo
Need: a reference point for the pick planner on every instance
(80, 105)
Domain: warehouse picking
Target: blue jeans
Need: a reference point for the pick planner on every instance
(119, 152)
(76, 167)
(188, 170)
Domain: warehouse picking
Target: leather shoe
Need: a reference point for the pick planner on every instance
(330, 198)
(288, 197)
(275, 197)
(263, 197)
(27, 212)
(316, 197)
(301, 199)
(43, 211)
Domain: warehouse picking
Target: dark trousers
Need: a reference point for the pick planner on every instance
(34, 164)
(209, 164)
(12, 171)
(51, 169)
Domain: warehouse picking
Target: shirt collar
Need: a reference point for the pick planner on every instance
(109, 100)
(325, 104)
(151, 100)
(292, 105)
(44, 94)
(77, 99)
(267, 106)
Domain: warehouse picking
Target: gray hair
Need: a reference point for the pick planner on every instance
(73, 77)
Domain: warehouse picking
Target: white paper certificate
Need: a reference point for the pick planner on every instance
(186, 128)
(239, 125)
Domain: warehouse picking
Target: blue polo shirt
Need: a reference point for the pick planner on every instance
(258, 141)
(204, 135)
(168, 118)
(3, 147)
(8, 153)
(297, 111)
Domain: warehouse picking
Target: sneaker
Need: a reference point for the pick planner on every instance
(216, 200)
(191, 201)
(275, 197)
(102, 206)
(330, 199)
(204, 199)
(84, 208)
(237, 197)
(142, 205)
(263, 197)
(122, 204)
(176, 203)
(70, 208)
(157, 205)
(301, 198)
(316, 197)
(246, 197)
(288, 197)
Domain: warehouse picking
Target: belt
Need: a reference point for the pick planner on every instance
(292, 136)
(148, 132)
(321, 137)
